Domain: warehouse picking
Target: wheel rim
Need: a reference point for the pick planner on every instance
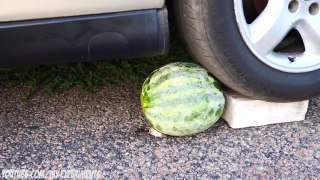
(272, 26)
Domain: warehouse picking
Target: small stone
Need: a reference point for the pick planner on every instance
(155, 133)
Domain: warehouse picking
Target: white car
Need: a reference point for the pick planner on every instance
(264, 49)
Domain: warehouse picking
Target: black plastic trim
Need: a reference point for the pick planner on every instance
(93, 37)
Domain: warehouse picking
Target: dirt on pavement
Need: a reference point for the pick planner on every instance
(107, 131)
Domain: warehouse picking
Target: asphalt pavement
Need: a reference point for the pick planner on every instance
(107, 131)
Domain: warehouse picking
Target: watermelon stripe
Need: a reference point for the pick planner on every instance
(178, 98)
(176, 90)
(180, 80)
(168, 112)
(189, 94)
(179, 72)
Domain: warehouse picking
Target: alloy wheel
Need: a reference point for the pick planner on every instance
(276, 24)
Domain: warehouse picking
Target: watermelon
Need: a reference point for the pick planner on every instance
(182, 99)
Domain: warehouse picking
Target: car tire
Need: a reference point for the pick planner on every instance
(214, 38)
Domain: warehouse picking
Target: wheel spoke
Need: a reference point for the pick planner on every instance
(309, 30)
(271, 26)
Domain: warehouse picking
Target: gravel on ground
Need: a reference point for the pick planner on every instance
(107, 131)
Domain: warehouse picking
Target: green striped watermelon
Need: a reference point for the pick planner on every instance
(181, 99)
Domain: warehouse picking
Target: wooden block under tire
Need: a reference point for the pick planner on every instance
(242, 112)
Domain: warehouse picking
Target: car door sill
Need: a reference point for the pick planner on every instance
(85, 38)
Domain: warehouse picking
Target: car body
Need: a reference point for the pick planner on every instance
(46, 31)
